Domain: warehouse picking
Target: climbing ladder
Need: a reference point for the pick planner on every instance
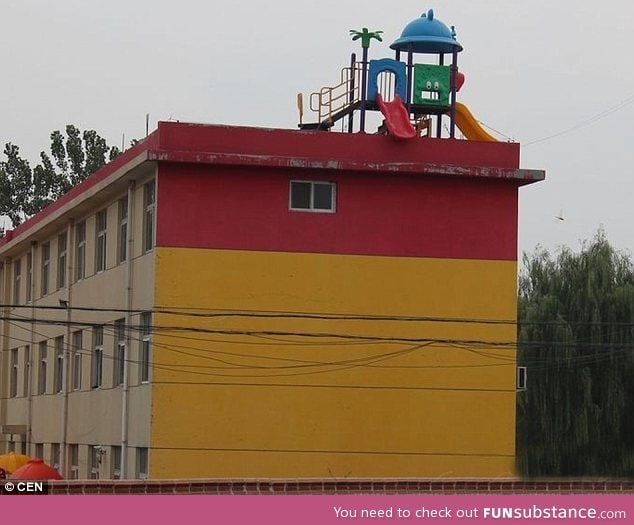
(331, 103)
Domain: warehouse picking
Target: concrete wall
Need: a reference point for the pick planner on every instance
(93, 415)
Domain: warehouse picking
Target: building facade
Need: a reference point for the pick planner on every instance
(244, 302)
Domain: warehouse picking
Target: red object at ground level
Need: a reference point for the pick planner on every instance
(396, 117)
(36, 469)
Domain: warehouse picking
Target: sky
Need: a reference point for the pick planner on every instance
(557, 77)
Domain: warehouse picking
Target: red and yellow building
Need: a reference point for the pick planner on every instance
(366, 341)
(322, 305)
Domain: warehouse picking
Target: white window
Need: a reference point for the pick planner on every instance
(59, 365)
(62, 247)
(39, 450)
(97, 357)
(17, 276)
(73, 454)
(101, 226)
(312, 196)
(119, 351)
(77, 350)
(27, 371)
(123, 230)
(521, 378)
(94, 460)
(46, 264)
(149, 202)
(146, 343)
(142, 463)
(55, 455)
(13, 382)
(115, 462)
(80, 251)
(29, 277)
(42, 370)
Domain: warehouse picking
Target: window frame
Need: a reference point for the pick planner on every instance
(77, 343)
(29, 277)
(15, 373)
(58, 379)
(142, 462)
(80, 251)
(101, 240)
(42, 369)
(62, 254)
(94, 460)
(45, 276)
(115, 461)
(311, 208)
(17, 280)
(119, 352)
(149, 215)
(26, 386)
(521, 378)
(122, 231)
(145, 351)
(55, 455)
(73, 460)
(96, 375)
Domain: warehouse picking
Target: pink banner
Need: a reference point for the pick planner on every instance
(320, 510)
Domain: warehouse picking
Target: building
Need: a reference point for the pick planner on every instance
(245, 302)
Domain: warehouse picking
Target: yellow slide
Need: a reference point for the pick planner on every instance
(469, 126)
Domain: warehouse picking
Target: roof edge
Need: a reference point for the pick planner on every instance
(123, 163)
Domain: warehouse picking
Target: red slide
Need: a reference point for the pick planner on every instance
(396, 117)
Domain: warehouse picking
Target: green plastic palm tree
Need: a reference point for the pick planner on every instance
(365, 35)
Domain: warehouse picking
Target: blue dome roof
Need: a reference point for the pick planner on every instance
(427, 35)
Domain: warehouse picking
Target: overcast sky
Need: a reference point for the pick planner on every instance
(555, 76)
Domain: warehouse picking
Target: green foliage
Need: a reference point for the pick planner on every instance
(576, 315)
(25, 191)
(16, 182)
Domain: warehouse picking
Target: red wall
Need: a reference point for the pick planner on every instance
(245, 208)
(336, 148)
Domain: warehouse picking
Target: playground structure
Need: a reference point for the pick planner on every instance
(414, 98)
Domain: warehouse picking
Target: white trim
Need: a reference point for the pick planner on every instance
(521, 379)
(69, 207)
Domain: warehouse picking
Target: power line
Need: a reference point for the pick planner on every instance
(625, 102)
(336, 451)
(331, 366)
(320, 451)
(339, 386)
(211, 313)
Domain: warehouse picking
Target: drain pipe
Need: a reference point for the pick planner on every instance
(29, 386)
(4, 355)
(70, 251)
(128, 338)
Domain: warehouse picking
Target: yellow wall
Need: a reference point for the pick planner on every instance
(269, 398)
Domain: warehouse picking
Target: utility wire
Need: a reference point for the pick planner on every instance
(625, 102)
(211, 313)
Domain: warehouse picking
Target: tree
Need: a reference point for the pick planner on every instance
(576, 337)
(25, 191)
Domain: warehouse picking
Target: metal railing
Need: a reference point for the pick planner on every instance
(330, 100)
